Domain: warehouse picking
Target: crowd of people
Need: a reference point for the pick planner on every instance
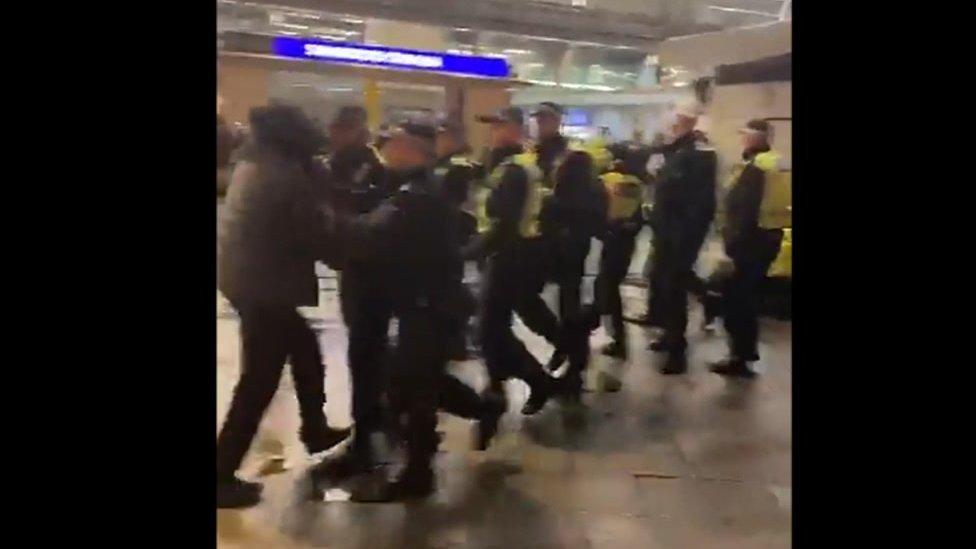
(399, 213)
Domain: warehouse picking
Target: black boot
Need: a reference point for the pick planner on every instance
(349, 464)
(323, 439)
(492, 410)
(539, 393)
(733, 367)
(234, 493)
(615, 349)
(413, 483)
(676, 364)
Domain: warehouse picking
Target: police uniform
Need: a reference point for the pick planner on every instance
(624, 221)
(517, 265)
(573, 212)
(410, 237)
(362, 183)
(454, 175)
(683, 209)
(755, 217)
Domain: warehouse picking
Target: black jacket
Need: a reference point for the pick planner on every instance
(549, 151)
(359, 177)
(455, 175)
(684, 197)
(576, 209)
(742, 203)
(272, 230)
(504, 205)
(411, 238)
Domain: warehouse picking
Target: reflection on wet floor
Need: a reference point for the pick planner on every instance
(693, 461)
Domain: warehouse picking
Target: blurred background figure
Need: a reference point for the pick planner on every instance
(684, 205)
(624, 221)
(550, 143)
(228, 140)
(752, 234)
(457, 174)
(270, 236)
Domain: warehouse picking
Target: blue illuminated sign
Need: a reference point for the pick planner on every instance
(395, 58)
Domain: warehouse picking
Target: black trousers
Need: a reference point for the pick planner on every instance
(743, 292)
(459, 399)
(570, 268)
(672, 277)
(512, 282)
(418, 379)
(271, 335)
(367, 316)
(614, 263)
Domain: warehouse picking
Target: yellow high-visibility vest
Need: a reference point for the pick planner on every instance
(624, 195)
(782, 266)
(776, 208)
(529, 221)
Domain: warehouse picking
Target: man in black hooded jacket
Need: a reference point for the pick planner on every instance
(269, 238)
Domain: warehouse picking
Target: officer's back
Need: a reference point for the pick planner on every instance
(684, 198)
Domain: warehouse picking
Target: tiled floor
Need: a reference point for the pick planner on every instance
(689, 462)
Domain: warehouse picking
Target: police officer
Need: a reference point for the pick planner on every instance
(551, 145)
(271, 234)
(356, 166)
(752, 233)
(362, 183)
(518, 261)
(456, 174)
(624, 221)
(574, 213)
(412, 234)
(684, 205)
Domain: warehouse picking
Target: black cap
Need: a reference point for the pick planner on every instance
(349, 116)
(448, 125)
(511, 115)
(756, 125)
(548, 108)
(416, 128)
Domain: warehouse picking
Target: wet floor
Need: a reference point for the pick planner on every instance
(694, 461)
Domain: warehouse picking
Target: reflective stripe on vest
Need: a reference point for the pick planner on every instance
(623, 193)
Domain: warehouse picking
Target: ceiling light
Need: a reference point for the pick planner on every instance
(746, 12)
(292, 26)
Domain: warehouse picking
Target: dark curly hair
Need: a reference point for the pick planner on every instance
(286, 129)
